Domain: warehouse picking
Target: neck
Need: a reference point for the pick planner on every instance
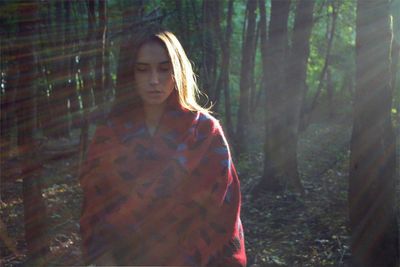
(153, 114)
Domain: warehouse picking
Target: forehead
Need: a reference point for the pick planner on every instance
(152, 52)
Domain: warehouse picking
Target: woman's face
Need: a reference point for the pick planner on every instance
(153, 74)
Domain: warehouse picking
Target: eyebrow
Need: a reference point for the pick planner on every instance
(161, 63)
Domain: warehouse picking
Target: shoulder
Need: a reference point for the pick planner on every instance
(207, 124)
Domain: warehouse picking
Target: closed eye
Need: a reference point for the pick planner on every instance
(141, 67)
(164, 67)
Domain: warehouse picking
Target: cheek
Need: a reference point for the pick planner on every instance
(138, 76)
(171, 83)
(139, 81)
(167, 80)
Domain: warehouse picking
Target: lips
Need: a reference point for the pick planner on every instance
(155, 93)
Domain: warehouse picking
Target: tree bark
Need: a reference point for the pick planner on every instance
(70, 92)
(218, 36)
(224, 44)
(225, 84)
(372, 199)
(223, 79)
(253, 87)
(124, 84)
(182, 26)
(395, 5)
(247, 67)
(58, 97)
(285, 74)
(87, 80)
(34, 206)
(263, 49)
(9, 67)
(209, 47)
(275, 99)
(101, 46)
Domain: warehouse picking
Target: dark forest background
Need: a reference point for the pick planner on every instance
(308, 92)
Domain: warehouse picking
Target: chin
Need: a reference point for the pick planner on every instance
(154, 102)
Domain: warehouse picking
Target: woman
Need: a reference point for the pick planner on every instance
(159, 185)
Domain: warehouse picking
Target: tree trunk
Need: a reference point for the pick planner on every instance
(87, 80)
(395, 59)
(223, 80)
(224, 42)
(45, 35)
(216, 36)
(247, 67)
(183, 28)
(253, 87)
(124, 84)
(209, 53)
(107, 80)
(225, 83)
(101, 46)
(59, 95)
(308, 110)
(296, 76)
(263, 48)
(70, 40)
(275, 72)
(34, 206)
(286, 82)
(330, 30)
(7, 105)
(330, 93)
(372, 199)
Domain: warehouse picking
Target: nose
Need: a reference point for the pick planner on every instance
(154, 79)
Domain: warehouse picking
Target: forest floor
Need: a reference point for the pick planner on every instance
(310, 230)
(280, 230)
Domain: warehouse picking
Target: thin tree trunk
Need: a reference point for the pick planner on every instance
(225, 53)
(209, 53)
(75, 95)
(46, 114)
(253, 87)
(58, 96)
(217, 37)
(87, 80)
(263, 48)
(330, 93)
(329, 84)
(307, 111)
(372, 179)
(225, 83)
(68, 60)
(131, 14)
(395, 60)
(107, 80)
(99, 88)
(9, 67)
(247, 67)
(183, 27)
(223, 80)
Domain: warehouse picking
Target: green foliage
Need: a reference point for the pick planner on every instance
(342, 54)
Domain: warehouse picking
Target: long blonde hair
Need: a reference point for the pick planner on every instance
(184, 77)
